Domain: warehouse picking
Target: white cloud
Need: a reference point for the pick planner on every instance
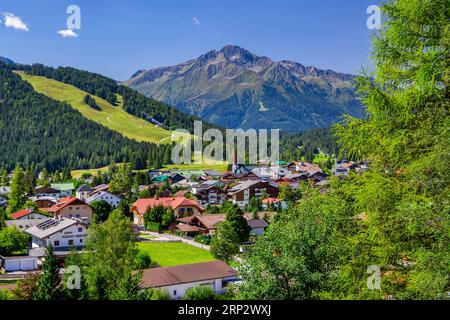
(12, 21)
(196, 21)
(69, 33)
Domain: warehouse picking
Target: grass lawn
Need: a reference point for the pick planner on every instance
(169, 254)
(112, 117)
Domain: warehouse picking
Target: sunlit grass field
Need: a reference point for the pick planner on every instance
(112, 117)
(168, 254)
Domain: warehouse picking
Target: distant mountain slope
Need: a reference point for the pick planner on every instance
(6, 60)
(112, 117)
(236, 88)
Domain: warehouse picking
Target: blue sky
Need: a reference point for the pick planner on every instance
(118, 37)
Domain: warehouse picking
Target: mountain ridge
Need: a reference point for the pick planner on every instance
(6, 60)
(255, 91)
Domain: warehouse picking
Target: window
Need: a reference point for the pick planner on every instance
(56, 243)
(81, 240)
(70, 242)
(80, 229)
(174, 292)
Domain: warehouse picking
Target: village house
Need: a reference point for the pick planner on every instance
(302, 167)
(60, 233)
(23, 224)
(100, 187)
(83, 192)
(270, 173)
(66, 189)
(43, 191)
(18, 263)
(273, 202)
(27, 214)
(207, 224)
(181, 207)
(178, 279)
(112, 199)
(43, 202)
(209, 193)
(71, 207)
(244, 191)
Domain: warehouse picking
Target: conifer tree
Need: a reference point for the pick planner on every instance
(49, 282)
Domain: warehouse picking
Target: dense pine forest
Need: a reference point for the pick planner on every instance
(305, 145)
(40, 132)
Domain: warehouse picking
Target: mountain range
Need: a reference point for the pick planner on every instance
(6, 60)
(235, 88)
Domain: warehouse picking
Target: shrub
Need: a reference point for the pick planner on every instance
(199, 293)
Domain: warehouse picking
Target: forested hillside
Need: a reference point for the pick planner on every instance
(133, 102)
(41, 132)
(296, 146)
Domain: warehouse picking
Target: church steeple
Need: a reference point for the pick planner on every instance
(235, 167)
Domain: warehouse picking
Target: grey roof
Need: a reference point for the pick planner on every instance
(23, 224)
(257, 223)
(43, 198)
(84, 188)
(98, 194)
(213, 173)
(243, 185)
(50, 226)
(246, 184)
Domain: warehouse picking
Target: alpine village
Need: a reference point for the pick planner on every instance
(93, 208)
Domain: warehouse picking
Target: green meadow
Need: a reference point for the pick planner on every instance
(168, 254)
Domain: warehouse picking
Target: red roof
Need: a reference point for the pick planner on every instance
(142, 205)
(271, 200)
(21, 214)
(62, 203)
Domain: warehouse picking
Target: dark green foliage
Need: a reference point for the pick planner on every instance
(143, 260)
(204, 239)
(91, 102)
(158, 217)
(225, 242)
(101, 210)
(305, 145)
(235, 217)
(199, 293)
(109, 260)
(13, 240)
(299, 252)
(49, 281)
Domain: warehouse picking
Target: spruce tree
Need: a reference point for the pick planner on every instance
(18, 195)
(49, 281)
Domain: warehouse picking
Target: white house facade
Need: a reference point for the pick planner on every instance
(112, 199)
(61, 233)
